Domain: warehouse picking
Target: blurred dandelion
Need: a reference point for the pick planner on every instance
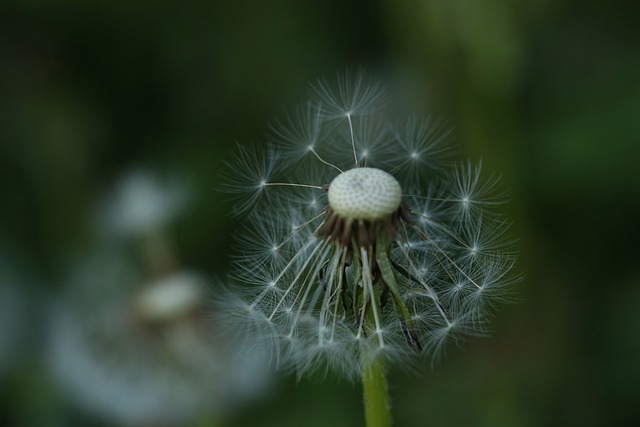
(364, 242)
(130, 339)
(142, 203)
(140, 352)
(139, 210)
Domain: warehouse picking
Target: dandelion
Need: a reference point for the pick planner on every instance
(135, 351)
(142, 203)
(139, 209)
(129, 336)
(365, 244)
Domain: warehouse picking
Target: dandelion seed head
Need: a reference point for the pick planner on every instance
(362, 239)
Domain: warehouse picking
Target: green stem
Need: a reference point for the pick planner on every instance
(376, 395)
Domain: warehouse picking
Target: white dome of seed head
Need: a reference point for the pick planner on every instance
(364, 193)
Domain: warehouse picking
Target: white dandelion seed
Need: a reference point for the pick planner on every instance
(399, 251)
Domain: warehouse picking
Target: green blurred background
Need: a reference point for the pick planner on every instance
(547, 93)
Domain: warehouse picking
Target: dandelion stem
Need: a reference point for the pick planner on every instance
(376, 394)
(374, 380)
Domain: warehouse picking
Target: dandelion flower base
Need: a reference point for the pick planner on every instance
(364, 193)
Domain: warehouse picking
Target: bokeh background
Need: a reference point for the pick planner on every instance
(547, 93)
